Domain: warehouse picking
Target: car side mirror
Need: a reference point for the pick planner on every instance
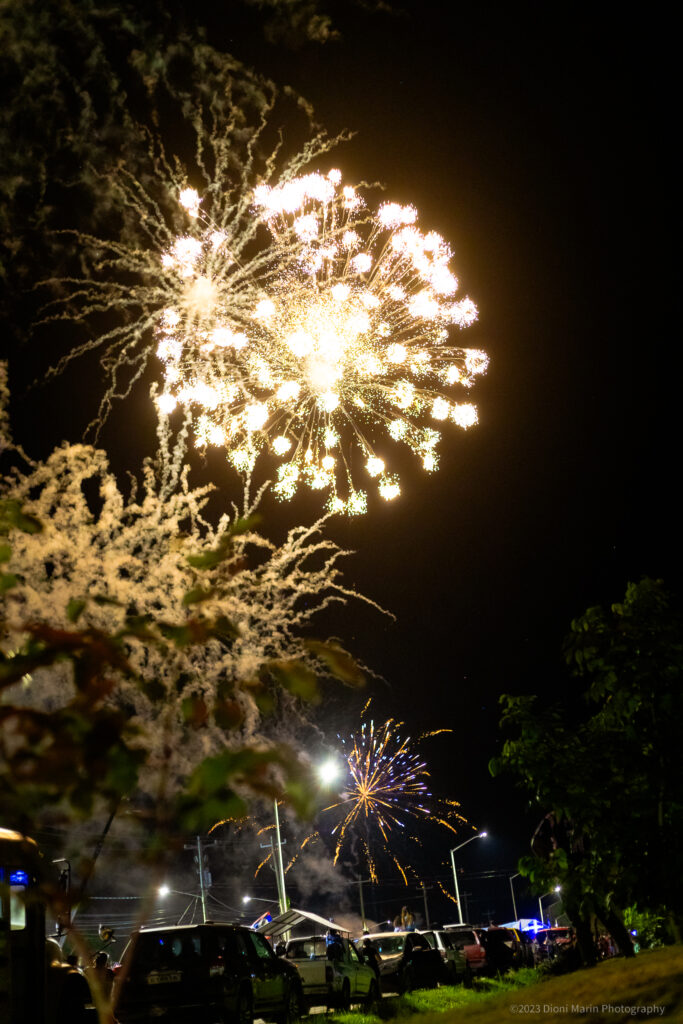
(280, 949)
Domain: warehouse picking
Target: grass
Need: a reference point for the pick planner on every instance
(649, 988)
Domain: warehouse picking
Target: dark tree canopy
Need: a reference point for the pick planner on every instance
(606, 776)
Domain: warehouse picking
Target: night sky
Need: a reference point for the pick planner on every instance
(524, 137)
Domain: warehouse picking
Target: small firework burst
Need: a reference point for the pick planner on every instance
(332, 340)
(388, 802)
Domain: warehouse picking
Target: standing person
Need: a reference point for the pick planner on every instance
(372, 957)
(102, 973)
(407, 920)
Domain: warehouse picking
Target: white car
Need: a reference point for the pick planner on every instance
(407, 960)
(332, 972)
(456, 968)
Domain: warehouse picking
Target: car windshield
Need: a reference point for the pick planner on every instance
(552, 936)
(390, 944)
(464, 938)
(166, 951)
(306, 949)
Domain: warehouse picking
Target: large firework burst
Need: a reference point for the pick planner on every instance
(388, 800)
(335, 338)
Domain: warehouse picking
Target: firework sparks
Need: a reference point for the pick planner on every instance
(388, 793)
(336, 334)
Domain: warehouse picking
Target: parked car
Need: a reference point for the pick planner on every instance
(504, 948)
(205, 972)
(454, 961)
(407, 960)
(472, 942)
(332, 972)
(549, 942)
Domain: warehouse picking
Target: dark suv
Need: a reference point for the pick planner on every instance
(204, 974)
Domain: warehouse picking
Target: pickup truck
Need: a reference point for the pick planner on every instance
(332, 972)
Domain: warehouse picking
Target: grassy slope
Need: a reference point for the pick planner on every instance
(655, 978)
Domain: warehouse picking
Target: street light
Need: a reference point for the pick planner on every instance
(540, 907)
(165, 890)
(480, 835)
(328, 772)
(512, 893)
(261, 899)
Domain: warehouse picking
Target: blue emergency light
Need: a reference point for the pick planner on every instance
(19, 878)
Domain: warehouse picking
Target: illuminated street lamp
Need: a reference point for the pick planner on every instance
(540, 907)
(480, 835)
(165, 890)
(261, 899)
(329, 771)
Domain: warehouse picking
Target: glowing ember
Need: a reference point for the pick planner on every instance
(336, 340)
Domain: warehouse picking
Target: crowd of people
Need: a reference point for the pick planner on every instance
(71, 986)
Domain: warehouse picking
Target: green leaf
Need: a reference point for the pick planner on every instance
(295, 677)
(197, 595)
(211, 558)
(338, 662)
(74, 609)
(243, 525)
(103, 600)
(12, 518)
(226, 630)
(7, 581)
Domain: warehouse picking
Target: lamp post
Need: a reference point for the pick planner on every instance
(279, 866)
(512, 893)
(540, 906)
(480, 835)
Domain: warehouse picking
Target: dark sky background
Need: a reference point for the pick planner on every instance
(525, 135)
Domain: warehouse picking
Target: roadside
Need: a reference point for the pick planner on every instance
(647, 988)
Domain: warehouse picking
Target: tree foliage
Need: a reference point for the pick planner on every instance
(607, 777)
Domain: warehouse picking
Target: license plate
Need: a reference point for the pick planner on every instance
(164, 977)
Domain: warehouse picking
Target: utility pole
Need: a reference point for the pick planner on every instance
(280, 870)
(512, 893)
(425, 887)
(362, 903)
(64, 916)
(203, 870)
(456, 886)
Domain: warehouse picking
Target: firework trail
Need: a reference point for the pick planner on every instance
(387, 796)
(118, 289)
